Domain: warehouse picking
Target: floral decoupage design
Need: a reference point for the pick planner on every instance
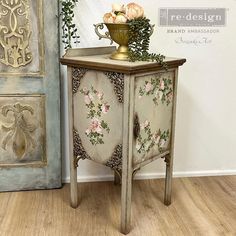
(97, 108)
(159, 88)
(146, 139)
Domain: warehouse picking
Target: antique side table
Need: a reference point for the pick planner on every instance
(121, 115)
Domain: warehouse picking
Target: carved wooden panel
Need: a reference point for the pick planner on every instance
(21, 41)
(22, 135)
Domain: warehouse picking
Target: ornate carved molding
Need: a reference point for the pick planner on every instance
(79, 151)
(15, 33)
(115, 162)
(77, 75)
(167, 159)
(117, 79)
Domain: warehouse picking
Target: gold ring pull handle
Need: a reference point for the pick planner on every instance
(136, 126)
(100, 26)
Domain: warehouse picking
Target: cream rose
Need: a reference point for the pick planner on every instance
(118, 8)
(120, 18)
(134, 11)
(109, 18)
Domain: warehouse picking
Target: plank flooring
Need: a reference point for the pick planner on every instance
(200, 206)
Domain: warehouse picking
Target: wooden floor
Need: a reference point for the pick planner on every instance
(201, 206)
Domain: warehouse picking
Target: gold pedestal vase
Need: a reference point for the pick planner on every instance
(118, 33)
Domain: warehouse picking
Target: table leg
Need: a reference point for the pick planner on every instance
(73, 185)
(73, 161)
(169, 158)
(168, 180)
(127, 155)
(126, 202)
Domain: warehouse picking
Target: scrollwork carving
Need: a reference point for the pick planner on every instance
(15, 33)
(117, 79)
(77, 75)
(20, 131)
(79, 151)
(115, 162)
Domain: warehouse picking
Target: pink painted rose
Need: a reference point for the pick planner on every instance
(162, 85)
(134, 11)
(95, 126)
(120, 18)
(105, 108)
(109, 18)
(148, 87)
(144, 125)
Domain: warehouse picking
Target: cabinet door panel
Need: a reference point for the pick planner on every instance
(153, 115)
(98, 116)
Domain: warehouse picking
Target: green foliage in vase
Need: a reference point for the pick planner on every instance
(139, 40)
(69, 30)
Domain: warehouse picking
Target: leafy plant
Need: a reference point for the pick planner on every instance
(139, 40)
(69, 30)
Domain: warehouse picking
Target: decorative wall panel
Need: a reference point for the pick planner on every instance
(22, 125)
(21, 40)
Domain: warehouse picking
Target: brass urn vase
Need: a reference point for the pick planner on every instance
(118, 33)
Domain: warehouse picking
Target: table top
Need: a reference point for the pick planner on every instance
(99, 59)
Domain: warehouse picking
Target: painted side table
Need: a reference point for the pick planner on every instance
(121, 115)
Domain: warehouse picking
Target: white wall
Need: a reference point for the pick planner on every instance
(206, 110)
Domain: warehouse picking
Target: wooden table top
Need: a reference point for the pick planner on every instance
(99, 59)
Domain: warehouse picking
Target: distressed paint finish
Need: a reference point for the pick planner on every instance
(46, 174)
(142, 104)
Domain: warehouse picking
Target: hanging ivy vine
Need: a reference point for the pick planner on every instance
(139, 40)
(69, 30)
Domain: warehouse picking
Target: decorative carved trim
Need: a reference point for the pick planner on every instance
(79, 151)
(117, 79)
(19, 131)
(115, 162)
(167, 160)
(134, 172)
(16, 33)
(77, 75)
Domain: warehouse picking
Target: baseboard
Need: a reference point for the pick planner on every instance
(177, 174)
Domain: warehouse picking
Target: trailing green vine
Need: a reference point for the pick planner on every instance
(139, 40)
(69, 30)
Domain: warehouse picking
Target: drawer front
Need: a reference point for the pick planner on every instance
(153, 98)
(98, 106)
